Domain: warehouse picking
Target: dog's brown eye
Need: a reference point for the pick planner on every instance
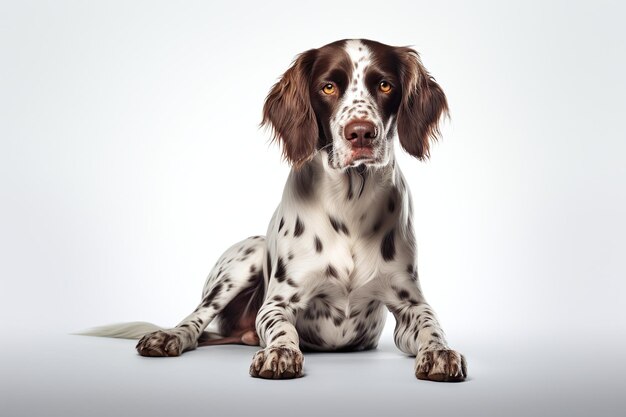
(384, 86)
(329, 89)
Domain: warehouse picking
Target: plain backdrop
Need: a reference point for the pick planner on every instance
(130, 158)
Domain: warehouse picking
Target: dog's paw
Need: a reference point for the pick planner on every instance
(441, 365)
(277, 363)
(161, 343)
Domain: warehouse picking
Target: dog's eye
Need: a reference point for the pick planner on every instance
(329, 89)
(384, 86)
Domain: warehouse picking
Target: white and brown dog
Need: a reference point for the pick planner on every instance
(340, 248)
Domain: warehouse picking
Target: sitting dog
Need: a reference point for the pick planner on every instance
(340, 248)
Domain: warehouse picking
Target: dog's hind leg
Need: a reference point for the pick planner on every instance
(233, 294)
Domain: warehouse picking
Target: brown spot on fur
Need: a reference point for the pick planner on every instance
(318, 245)
(331, 271)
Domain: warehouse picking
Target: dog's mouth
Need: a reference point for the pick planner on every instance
(361, 156)
(358, 154)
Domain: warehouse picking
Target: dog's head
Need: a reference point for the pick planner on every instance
(350, 98)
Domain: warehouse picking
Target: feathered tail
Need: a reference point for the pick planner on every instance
(132, 330)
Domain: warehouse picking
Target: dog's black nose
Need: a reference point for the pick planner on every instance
(360, 133)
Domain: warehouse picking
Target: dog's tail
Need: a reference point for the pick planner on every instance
(132, 330)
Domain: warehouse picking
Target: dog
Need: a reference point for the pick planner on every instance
(340, 248)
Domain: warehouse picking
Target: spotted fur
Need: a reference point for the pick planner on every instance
(339, 250)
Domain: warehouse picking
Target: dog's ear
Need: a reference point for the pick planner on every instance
(289, 112)
(423, 103)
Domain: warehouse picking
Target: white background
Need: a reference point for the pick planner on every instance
(130, 158)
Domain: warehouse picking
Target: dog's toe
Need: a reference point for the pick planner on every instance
(277, 363)
(160, 343)
(441, 365)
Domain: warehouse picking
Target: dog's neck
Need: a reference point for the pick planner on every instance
(347, 193)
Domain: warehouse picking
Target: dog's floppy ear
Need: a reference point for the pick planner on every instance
(289, 112)
(423, 103)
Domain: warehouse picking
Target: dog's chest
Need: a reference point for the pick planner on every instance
(345, 312)
(339, 320)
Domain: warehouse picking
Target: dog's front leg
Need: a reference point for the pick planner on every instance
(281, 358)
(419, 333)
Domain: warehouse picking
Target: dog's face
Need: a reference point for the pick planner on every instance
(349, 99)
